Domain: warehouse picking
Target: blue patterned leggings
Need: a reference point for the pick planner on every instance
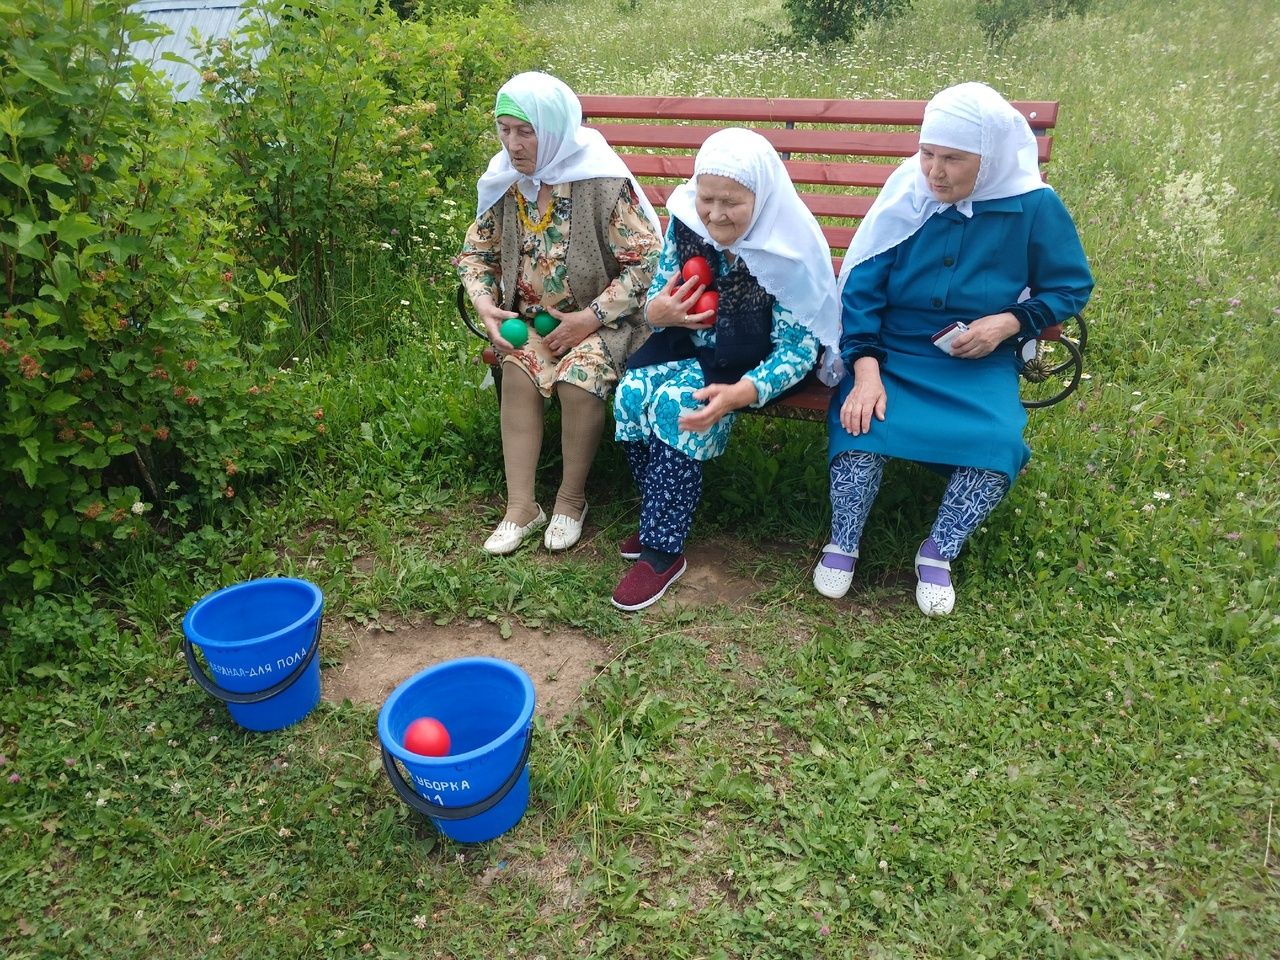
(971, 495)
(670, 485)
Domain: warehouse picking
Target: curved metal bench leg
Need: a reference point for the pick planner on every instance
(1035, 371)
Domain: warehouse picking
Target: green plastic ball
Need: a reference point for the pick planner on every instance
(544, 323)
(514, 332)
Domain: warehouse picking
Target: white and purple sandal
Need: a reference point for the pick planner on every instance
(935, 596)
(833, 575)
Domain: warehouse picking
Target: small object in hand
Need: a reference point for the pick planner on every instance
(427, 737)
(710, 300)
(697, 267)
(942, 339)
(515, 332)
(544, 323)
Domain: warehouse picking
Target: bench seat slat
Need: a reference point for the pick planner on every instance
(1041, 114)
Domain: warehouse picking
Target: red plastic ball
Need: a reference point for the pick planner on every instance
(427, 737)
(697, 267)
(710, 300)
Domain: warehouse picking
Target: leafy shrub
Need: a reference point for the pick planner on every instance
(1000, 19)
(347, 126)
(124, 390)
(828, 20)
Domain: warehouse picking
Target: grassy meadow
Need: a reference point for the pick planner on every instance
(1082, 762)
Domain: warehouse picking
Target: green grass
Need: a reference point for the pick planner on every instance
(1083, 762)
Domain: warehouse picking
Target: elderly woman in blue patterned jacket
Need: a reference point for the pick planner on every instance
(675, 407)
(964, 231)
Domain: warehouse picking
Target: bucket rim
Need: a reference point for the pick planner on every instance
(258, 583)
(407, 756)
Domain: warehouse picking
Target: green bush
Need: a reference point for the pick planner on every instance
(828, 20)
(124, 391)
(347, 127)
(1000, 19)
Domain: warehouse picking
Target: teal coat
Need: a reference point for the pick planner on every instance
(941, 410)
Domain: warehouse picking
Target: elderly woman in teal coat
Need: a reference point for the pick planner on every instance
(964, 252)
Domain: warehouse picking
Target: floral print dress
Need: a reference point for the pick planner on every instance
(651, 400)
(543, 282)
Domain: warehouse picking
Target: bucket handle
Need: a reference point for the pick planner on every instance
(253, 696)
(427, 808)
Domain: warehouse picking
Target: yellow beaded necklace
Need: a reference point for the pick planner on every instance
(529, 225)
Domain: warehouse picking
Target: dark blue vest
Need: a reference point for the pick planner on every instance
(744, 321)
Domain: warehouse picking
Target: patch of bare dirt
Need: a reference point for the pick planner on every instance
(711, 579)
(560, 662)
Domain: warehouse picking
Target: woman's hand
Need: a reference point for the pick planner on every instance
(671, 307)
(866, 399)
(492, 315)
(720, 398)
(571, 331)
(984, 335)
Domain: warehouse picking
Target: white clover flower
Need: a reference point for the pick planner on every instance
(404, 303)
(1161, 495)
(138, 508)
(420, 921)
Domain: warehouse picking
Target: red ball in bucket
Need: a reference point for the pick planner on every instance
(427, 737)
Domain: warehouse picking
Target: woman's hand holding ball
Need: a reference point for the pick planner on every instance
(494, 317)
(676, 305)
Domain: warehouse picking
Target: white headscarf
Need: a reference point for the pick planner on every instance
(970, 117)
(783, 245)
(567, 151)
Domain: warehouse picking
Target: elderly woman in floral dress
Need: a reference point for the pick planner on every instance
(561, 226)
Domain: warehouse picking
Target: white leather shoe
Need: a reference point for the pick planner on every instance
(834, 582)
(509, 535)
(563, 531)
(933, 599)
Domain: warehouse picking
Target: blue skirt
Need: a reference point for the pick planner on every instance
(942, 411)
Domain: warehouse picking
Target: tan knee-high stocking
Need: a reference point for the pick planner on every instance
(582, 417)
(522, 412)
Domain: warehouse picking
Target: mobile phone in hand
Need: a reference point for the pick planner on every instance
(942, 339)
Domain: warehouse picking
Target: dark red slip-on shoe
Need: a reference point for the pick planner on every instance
(643, 586)
(630, 548)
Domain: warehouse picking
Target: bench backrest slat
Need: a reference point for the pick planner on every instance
(728, 111)
(835, 143)
(845, 145)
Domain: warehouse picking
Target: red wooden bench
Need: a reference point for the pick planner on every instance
(839, 154)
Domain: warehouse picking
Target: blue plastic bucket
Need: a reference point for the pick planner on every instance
(260, 640)
(481, 789)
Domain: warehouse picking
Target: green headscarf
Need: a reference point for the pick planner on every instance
(507, 107)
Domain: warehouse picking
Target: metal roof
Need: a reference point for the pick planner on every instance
(211, 19)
